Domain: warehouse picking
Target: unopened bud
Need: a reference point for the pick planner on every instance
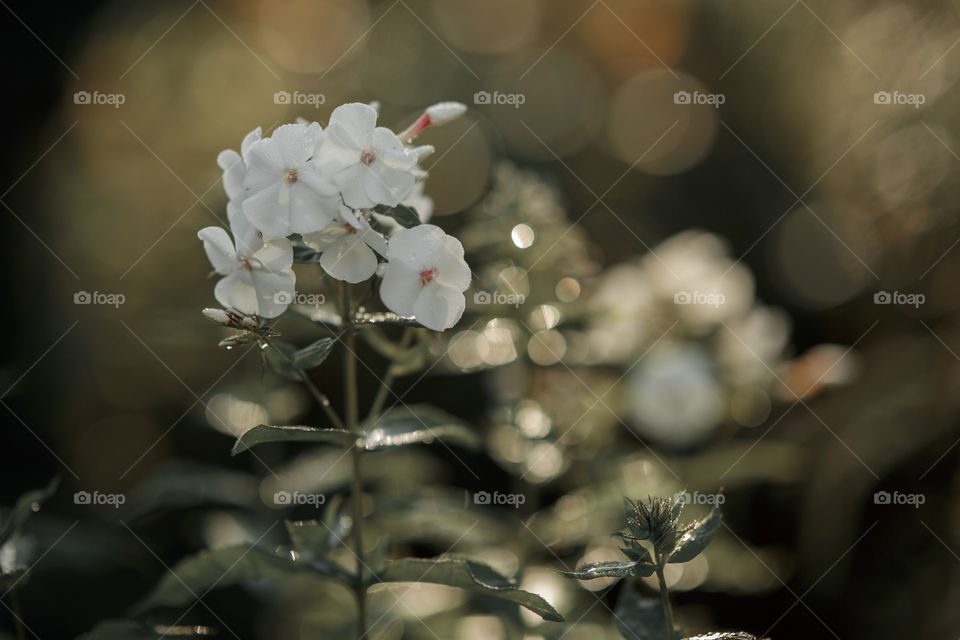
(444, 112)
(219, 316)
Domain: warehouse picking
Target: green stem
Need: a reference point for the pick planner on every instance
(664, 597)
(17, 615)
(388, 379)
(350, 393)
(318, 395)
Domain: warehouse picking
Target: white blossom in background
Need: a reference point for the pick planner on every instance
(284, 192)
(369, 164)
(425, 276)
(253, 275)
(348, 245)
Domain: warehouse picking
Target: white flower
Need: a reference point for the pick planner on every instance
(259, 278)
(347, 245)
(425, 276)
(369, 164)
(284, 191)
(234, 165)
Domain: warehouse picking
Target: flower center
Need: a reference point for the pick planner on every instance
(290, 176)
(367, 156)
(427, 275)
(350, 228)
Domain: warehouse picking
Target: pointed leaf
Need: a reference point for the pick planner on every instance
(724, 635)
(609, 569)
(313, 355)
(469, 575)
(263, 433)
(384, 317)
(417, 424)
(227, 566)
(696, 539)
(405, 216)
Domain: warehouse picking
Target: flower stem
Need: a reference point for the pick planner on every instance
(318, 395)
(350, 393)
(664, 597)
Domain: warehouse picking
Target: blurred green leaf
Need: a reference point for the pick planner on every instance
(639, 617)
(465, 574)
(324, 316)
(417, 424)
(724, 635)
(302, 254)
(609, 569)
(314, 354)
(696, 539)
(26, 505)
(179, 484)
(127, 630)
(227, 566)
(263, 433)
(405, 216)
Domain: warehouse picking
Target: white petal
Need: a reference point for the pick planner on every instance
(219, 248)
(352, 184)
(233, 172)
(275, 256)
(236, 291)
(326, 237)
(400, 288)
(295, 142)
(245, 235)
(351, 125)
(274, 292)
(309, 211)
(264, 210)
(310, 176)
(439, 307)
(373, 239)
(248, 140)
(386, 185)
(418, 247)
(265, 166)
(452, 269)
(350, 260)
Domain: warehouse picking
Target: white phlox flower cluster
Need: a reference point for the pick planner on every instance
(353, 193)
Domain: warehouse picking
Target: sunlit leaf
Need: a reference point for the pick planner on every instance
(263, 433)
(384, 317)
(227, 566)
(465, 574)
(314, 354)
(609, 569)
(696, 539)
(417, 424)
(724, 635)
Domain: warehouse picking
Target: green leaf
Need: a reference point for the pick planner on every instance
(225, 566)
(724, 635)
(281, 365)
(417, 424)
(384, 317)
(26, 505)
(609, 569)
(313, 355)
(405, 216)
(696, 539)
(126, 630)
(263, 433)
(639, 617)
(465, 574)
(324, 316)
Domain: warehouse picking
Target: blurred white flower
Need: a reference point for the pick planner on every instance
(254, 274)
(425, 276)
(347, 247)
(369, 164)
(284, 191)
